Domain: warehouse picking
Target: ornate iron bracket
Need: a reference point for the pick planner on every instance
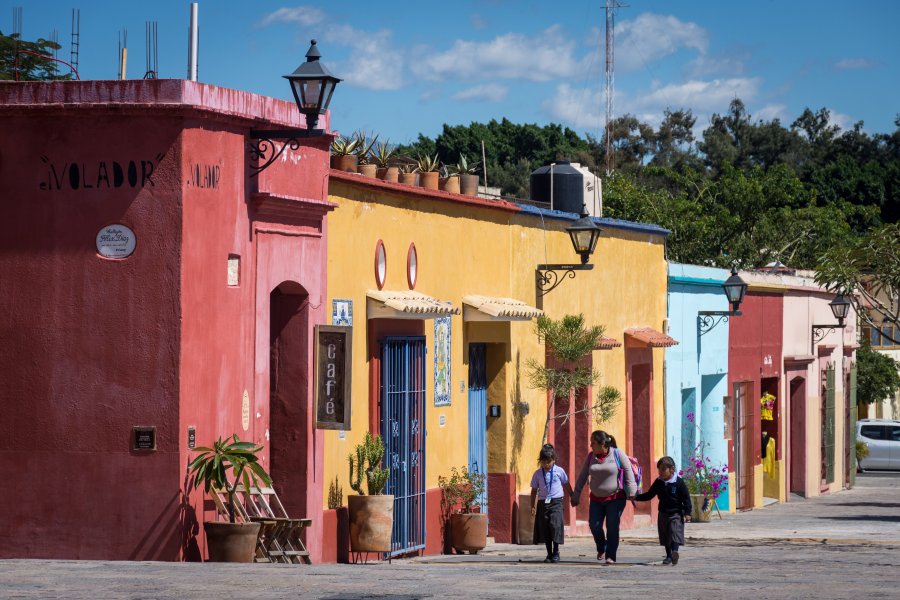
(820, 331)
(710, 318)
(264, 149)
(548, 276)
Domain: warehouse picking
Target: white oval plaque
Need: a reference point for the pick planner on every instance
(115, 241)
(245, 411)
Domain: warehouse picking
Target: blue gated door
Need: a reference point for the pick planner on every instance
(478, 416)
(403, 430)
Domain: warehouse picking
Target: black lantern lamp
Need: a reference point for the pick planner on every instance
(313, 85)
(735, 288)
(584, 234)
(840, 308)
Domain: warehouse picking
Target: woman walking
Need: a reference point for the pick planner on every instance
(609, 491)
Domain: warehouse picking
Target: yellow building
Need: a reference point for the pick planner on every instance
(442, 290)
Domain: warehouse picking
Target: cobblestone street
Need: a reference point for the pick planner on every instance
(838, 546)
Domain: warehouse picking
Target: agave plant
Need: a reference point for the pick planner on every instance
(382, 155)
(209, 468)
(408, 167)
(463, 167)
(364, 147)
(428, 164)
(342, 146)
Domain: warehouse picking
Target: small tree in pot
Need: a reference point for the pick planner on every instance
(229, 542)
(372, 515)
(462, 494)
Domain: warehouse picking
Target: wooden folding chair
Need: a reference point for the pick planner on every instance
(220, 499)
(263, 503)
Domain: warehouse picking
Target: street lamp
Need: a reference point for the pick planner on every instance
(735, 288)
(840, 308)
(584, 234)
(312, 85)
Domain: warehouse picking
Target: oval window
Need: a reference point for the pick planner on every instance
(412, 266)
(380, 264)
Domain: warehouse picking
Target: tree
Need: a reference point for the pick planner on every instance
(870, 267)
(570, 342)
(31, 67)
(877, 376)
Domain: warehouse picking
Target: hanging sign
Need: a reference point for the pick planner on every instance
(115, 241)
(333, 366)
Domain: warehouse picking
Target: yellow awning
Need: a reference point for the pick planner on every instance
(487, 308)
(386, 304)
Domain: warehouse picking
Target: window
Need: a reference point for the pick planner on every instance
(895, 433)
(873, 432)
(887, 335)
(875, 337)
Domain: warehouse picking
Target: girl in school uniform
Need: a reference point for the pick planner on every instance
(547, 485)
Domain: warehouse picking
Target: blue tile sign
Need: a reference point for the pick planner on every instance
(341, 312)
(442, 380)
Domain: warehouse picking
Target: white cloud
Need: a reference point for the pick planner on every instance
(651, 37)
(712, 66)
(373, 62)
(840, 119)
(304, 15)
(698, 95)
(491, 92)
(854, 63)
(582, 108)
(771, 111)
(544, 57)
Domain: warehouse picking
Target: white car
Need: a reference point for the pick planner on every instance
(883, 440)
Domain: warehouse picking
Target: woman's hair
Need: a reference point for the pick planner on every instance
(665, 461)
(604, 439)
(548, 452)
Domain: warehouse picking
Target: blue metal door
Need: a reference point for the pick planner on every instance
(478, 416)
(403, 430)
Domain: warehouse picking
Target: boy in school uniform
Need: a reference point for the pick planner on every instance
(674, 507)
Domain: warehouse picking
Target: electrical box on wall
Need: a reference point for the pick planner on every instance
(494, 410)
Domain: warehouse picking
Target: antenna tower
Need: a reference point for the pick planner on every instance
(76, 37)
(17, 21)
(152, 48)
(123, 54)
(54, 37)
(611, 6)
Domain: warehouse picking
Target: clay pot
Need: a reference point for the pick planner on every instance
(347, 162)
(429, 180)
(367, 170)
(468, 185)
(468, 532)
(231, 542)
(450, 184)
(388, 174)
(525, 529)
(371, 523)
(408, 178)
(701, 508)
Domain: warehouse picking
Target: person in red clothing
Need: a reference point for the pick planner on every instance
(674, 507)
(609, 492)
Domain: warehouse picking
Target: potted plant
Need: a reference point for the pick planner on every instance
(467, 173)
(343, 153)
(382, 155)
(429, 167)
(363, 155)
(449, 182)
(408, 173)
(461, 494)
(229, 542)
(704, 482)
(372, 514)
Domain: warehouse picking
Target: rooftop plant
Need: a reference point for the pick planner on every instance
(342, 146)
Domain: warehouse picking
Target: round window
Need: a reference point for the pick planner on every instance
(412, 266)
(380, 264)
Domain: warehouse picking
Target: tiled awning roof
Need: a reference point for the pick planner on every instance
(651, 337)
(487, 308)
(406, 305)
(607, 343)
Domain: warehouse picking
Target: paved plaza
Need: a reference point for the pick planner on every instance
(838, 546)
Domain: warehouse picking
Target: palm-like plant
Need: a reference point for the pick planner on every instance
(463, 167)
(364, 147)
(211, 465)
(382, 155)
(428, 164)
(342, 146)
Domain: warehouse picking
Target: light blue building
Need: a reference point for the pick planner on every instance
(696, 370)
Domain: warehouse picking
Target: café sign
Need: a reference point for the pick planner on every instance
(333, 365)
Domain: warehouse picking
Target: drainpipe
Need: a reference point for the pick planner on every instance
(193, 43)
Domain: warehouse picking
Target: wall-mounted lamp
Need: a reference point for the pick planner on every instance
(840, 308)
(313, 85)
(735, 288)
(584, 234)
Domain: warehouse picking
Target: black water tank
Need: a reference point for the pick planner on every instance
(568, 186)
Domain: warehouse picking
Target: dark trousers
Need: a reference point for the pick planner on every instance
(611, 512)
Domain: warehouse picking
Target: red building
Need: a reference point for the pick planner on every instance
(151, 280)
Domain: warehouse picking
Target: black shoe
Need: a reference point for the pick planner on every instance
(549, 558)
(555, 557)
(674, 557)
(667, 560)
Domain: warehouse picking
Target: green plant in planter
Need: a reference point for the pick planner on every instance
(370, 452)
(428, 164)
(382, 155)
(364, 147)
(462, 489)
(211, 465)
(343, 146)
(862, 449)
(408, 167)
(463, 167)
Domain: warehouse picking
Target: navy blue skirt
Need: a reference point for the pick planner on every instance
(548, 522)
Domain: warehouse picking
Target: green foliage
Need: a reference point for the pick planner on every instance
(343, 146)
(211, 465)
(335, 494)
(463, 167)
(428, 164)
(461, 490)
(363, 147)
(382, 154)
(877, 376)
(862, 449)
(31, 68)
(608, 401)
(370, 453)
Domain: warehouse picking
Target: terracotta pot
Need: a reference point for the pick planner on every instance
(408, 178)
(468, 532)
(468, 185)
(388, 174)
(346, 162)
(429, 180)
(698, 513)
(525, 528)
(231, 542)
(371, 523)
(367, 170)
(450, 184)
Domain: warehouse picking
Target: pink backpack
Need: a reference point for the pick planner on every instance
(635, 469)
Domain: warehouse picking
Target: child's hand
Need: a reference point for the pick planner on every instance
(534, 510)
(687, 518)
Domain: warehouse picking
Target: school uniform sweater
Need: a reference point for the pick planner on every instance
(674, 497)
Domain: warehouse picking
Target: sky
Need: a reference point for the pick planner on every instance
(409, 68)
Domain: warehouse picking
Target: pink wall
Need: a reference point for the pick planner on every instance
(94, 346)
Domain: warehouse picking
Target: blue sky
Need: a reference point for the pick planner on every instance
(410, 67)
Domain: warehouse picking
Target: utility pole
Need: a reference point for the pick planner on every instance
(611, 6)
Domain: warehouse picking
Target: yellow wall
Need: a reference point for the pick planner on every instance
(464, 249)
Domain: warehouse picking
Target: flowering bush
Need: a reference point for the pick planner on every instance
(701, 477)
